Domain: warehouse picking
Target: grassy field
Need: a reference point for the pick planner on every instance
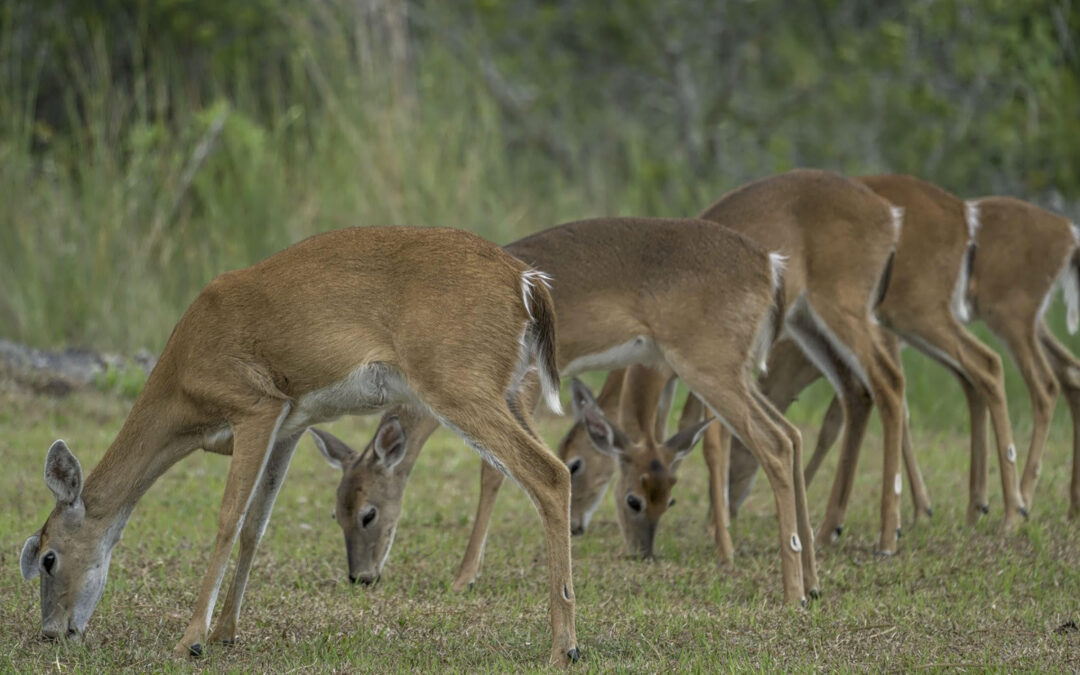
(952, 597)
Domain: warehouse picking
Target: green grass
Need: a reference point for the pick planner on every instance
(951, 597)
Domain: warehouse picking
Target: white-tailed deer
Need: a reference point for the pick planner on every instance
(829, 319)
(592, 278)
(1022, 254)
(926, 303)
(696, 297)
(348, 322)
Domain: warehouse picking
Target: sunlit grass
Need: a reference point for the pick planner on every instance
(952, 596)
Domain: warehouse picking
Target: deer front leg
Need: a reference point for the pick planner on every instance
(490, 482)
(717, 449)
(262, 503)
(253, 438)
(831, 427)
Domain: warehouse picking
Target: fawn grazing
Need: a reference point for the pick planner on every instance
(348, 322)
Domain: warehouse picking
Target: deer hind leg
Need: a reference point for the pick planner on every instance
(802, 512)
(789, 373)
(716, 447)
(504, 442)
(262, 503)
(253, 439)
(920, 497)
(856, 401)
(950, 343)
(862, 366)
(1023, 344)
(1067, 371)
(727, 392)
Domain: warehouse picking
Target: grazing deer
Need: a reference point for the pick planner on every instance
(1022, 253)
(693, 296)
(926, 304)
(829, 318)
(348, 322)
(590, 276)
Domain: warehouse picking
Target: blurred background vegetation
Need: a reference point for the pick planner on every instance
(146, 146)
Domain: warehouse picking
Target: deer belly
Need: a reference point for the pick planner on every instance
(639, 350)
(368, 389)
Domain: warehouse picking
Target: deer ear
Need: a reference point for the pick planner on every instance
(684, 441)
(581, 397)
(28, 561)
(334, 450)
(63, 474)
(390, 442)
(605, 436)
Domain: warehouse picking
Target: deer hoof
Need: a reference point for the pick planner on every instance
(196, 649)
(815, 593)
(1024, 512)
(572, 655)
(899, 532)
(984, 509)
(929, 513)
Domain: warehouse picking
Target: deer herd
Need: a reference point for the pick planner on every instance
(781, 281)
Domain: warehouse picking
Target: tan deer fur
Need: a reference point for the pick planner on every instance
(632, 291)
(1022, 254)
(819, 267)
(348, 322)
(925, 305)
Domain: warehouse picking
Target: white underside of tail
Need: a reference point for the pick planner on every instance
(529, 279)
(764, 340)
(549, 387)
(897, 219)
(961, 304)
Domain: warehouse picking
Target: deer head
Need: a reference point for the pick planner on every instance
(590, 472)
(369, 496)
(646, 467)
(70, 553)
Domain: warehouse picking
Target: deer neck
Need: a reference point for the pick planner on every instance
(148, 444)
(641, 394)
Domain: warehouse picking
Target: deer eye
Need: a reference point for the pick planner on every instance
(575, 465)
(634, 503)
(48, 561)
(368, 516)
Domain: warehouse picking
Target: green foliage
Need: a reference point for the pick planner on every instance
(953, 598)
(147, 146)
(126, 382)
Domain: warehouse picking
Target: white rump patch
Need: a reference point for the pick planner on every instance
(764, 339)
(1010, 453)
(1069, 280)
(796, 545)
(897, 485)
(961, 303)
